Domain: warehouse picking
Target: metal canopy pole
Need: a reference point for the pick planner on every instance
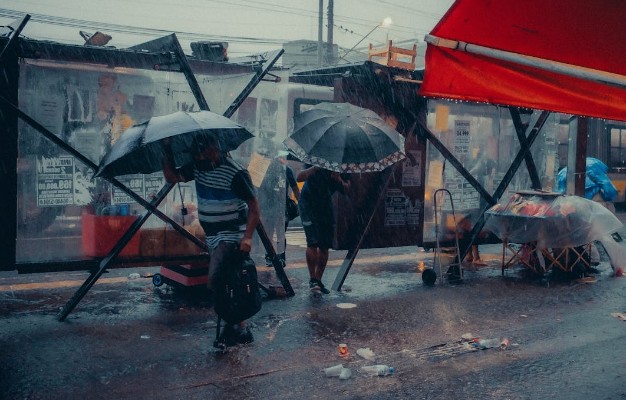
(191, 78)
(575, 71)
(520, 129)
(15, 35)
(9, 143)
(171, 44)
(253, 83)
(351, 256)
(577, 156)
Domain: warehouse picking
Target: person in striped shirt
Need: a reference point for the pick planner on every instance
(228, 209)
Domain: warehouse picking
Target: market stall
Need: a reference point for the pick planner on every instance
(529, 65)
(542, 230)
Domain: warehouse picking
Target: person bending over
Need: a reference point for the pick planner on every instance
(228, 209)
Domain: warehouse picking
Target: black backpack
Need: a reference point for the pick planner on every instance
(237, 290)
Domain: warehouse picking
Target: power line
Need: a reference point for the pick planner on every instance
(185, 35)
(276, 7)
(85, 24)
(423, 13)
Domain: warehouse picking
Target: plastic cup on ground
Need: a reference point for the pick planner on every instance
(334, 370)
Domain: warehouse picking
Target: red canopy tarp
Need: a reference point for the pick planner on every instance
(586, 37)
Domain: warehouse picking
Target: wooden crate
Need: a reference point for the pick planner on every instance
(395, 57)
(152, 242)
(178, 245)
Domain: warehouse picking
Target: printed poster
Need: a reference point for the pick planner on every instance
(55, 181)
(152, 184)
(412, 169)
(461, 137)
(133, 182)
(435, 175)
(258, 168)
(395, 208)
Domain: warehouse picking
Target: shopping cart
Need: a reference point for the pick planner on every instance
(454, 272)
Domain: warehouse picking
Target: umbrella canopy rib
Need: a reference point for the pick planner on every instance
(315, 132)
(140, 148)
(380, 144)
(345, 138)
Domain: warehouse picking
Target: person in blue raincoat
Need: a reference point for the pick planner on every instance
(596, 180)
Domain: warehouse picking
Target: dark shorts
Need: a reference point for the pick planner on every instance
(217, 257)
(318, 227)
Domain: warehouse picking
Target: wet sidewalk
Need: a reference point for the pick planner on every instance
(128, 339)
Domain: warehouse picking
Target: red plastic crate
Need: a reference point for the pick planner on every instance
(102, 232)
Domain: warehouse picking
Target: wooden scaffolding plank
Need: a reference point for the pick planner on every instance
(391, 56)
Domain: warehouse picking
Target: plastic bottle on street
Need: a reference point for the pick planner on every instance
(488, 343)
(379, 370)
(491, 343)
(338, 370)
(334, 370)
(346, 373)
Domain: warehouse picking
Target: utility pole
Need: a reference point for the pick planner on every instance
(329, 35)
(320, 40)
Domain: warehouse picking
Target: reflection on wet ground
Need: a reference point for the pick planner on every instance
(129, 339)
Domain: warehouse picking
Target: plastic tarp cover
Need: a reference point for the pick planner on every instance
(551, 220)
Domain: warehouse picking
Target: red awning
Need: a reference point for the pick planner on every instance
(555, 55)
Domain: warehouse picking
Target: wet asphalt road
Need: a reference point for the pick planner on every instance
(128, 339)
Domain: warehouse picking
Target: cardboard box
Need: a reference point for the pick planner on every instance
(152, 242)
(100, 233)
(178, 245)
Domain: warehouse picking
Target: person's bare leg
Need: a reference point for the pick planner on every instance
(477, 261)
(322, 260)
(320, 266)
(469, 257)
(311, 261)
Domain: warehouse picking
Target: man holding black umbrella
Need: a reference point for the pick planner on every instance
(228, 209)
(318, 220)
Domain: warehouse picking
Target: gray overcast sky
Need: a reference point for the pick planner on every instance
(249, 26)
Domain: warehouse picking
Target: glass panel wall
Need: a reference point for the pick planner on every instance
(483, 138)
(66, 214)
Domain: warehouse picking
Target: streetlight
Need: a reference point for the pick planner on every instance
(384, 24)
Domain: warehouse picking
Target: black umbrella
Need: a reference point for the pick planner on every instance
(344, 138)
(139, 148)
